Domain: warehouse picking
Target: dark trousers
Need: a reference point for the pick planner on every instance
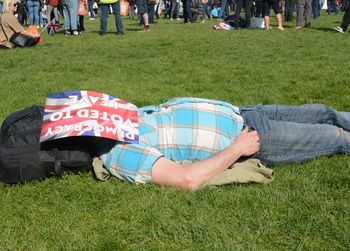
(289, 9)
(187, 11)
(346, 18)
(247, 6)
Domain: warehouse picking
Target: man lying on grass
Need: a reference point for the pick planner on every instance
(212, 135)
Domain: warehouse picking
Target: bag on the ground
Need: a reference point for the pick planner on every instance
(23, 158)
(21, 40)
(257, 23)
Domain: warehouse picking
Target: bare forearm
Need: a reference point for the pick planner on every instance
(202, 171)
(193, 176)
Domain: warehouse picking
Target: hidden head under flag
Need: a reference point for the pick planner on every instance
(86, 113)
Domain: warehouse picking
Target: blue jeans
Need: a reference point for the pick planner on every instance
(91, 8)
(316, 8)
(296, 134)
(33, 12)
(70, 14)
(332, 6)
(222, 9)
(0, 8)
(104, 14)
(150, 10)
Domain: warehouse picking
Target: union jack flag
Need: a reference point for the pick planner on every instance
(53, 27)
(86, 113)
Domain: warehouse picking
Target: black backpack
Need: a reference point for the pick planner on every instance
(24, 159)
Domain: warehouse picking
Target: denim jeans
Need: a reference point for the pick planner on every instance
(1, 8)
(91, 8)
(33, 12)
(316, 8)
(187, 11)
(222, 9)
(150, 10)
(332, 6)
(104, 8)
(70, 14)
(296, 134)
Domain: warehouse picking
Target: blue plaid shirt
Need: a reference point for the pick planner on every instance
(182, 130)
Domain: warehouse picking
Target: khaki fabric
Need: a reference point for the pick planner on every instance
(246, 171)
(9, 25)
(100, 172)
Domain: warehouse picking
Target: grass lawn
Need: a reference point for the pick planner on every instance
(307, 207)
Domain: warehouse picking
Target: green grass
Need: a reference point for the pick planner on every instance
(307, 207)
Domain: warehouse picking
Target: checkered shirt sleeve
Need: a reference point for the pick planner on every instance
(131, 162)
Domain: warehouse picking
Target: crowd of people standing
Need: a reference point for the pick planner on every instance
(40, 12)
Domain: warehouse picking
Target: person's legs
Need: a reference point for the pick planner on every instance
(300, 12)
(266, 14)
(248, 8)
(306, 114)
(55, 13)
(150, 10)
(173, 4)
(49, 10)
(30, 12)
(187, 11)
(104, 10)
(91, 9)
(118, 18)
(66, 17)
(73, 13)
(36, 18)
(307, 13)
(222, 9)
(289, 142)
(346, 18)
(238, 10)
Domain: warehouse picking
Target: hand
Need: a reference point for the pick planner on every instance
(247, 143)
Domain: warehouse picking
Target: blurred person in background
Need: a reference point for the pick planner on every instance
(346, 18)
(70, 14)
(33, 7)
(104, 11)
(11, 30)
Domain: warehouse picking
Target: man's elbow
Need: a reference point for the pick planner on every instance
(191, 182)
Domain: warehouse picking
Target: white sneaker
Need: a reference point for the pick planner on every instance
(339, 29)
(75, 33)
(91, 18)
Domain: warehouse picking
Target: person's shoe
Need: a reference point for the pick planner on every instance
(308, 25)
(145, 29)
(103, 33)
(281, 28)
(178, 19)
(92, 19)
(75, 33)
(298, 27)
(120, 34)
(67, 33)
(171, 19)
(339, 29)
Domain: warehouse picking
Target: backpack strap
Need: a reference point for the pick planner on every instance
(58, 166)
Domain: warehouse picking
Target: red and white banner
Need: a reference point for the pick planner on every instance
(86, 113)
